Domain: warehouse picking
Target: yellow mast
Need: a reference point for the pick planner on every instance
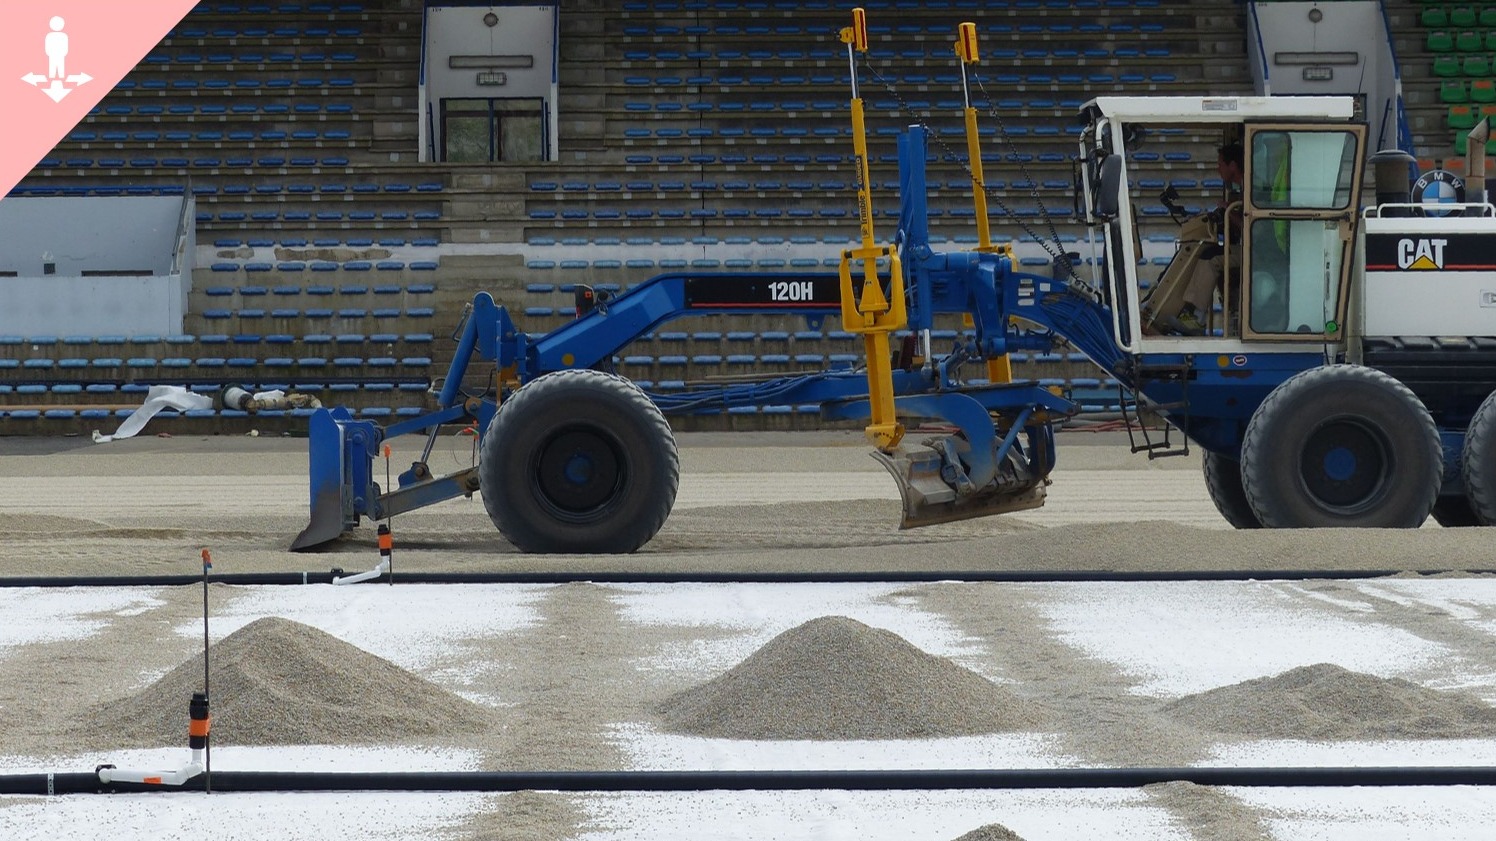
(999, 370)
(869, 311)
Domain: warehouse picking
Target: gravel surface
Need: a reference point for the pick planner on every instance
(748, 503)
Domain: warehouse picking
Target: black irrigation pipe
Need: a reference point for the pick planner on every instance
(679, 781)
(709, 577)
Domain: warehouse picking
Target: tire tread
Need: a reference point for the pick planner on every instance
(1478, 462)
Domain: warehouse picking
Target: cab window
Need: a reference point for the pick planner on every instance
(1309, 170)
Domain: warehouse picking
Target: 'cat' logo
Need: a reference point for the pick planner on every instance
(1421, 253)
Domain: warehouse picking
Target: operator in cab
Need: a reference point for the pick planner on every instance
(1210, 272)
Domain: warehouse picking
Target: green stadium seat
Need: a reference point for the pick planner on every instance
(1469, 41)
(1463, 16)
(1434, 17)
(1487, 17)
(1461, 117)
(1461, 143)
(1454, 92)
(1476, 65)
(1439, 41)
(1446, 66)
(1483, 90)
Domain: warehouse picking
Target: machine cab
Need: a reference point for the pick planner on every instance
(1263, 260)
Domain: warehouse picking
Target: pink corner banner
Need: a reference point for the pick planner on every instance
(58, 58)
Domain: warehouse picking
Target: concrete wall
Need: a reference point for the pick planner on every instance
(521, 31)
(99, 236)
(92, 306)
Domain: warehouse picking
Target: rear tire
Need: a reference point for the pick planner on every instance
(1223, 482)
(1454, 512)
(1478, 462)
(578, 461)
(1341, 446)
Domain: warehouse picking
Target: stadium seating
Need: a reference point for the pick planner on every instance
(722, 143)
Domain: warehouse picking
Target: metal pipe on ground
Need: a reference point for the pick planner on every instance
(679, 781)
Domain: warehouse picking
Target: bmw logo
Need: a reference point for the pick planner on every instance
(1438, 187)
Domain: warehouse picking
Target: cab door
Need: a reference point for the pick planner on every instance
(1300, 203)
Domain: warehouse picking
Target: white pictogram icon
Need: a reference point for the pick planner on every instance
(57, 83)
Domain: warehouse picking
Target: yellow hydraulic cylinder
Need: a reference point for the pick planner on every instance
(999, 370)
(966, 49)
(869, 310)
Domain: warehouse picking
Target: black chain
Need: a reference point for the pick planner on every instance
(1002, 130)
(1060, 258)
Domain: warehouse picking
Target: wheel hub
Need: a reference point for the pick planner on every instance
(579, 471)
(1345, 465)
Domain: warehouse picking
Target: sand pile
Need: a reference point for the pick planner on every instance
(991, 832)
(278, 682)
(836, 678)
(1325, 701)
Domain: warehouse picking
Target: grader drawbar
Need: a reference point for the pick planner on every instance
(574, 458)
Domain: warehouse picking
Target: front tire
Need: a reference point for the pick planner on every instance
(579, 461)
(1341, 446)
(1223, 482)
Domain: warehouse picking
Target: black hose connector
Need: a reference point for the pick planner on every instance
(197, 728)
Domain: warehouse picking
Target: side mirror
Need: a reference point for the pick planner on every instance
(1107, 201)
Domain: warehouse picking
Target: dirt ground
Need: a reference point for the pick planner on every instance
(747, 501)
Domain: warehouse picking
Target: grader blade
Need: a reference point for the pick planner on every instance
(929, 499)
(330, 482)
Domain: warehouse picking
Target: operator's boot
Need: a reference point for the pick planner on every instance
(1189, 321)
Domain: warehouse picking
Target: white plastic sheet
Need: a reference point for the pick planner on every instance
(159, 397)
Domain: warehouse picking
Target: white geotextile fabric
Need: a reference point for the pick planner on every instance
(157, 398)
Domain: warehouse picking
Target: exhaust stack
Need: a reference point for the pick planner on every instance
(1475, 162)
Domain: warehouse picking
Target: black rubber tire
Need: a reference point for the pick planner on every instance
(1478, 462)
(1454, 512)
(1341, 446)
(1223, 482)
(578, 461)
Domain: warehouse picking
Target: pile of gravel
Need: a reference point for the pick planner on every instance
(1325, 701)
(278, 682)
(836, 678)
(48, 524)
(991, 832)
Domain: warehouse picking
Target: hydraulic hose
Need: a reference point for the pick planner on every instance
(702, 577)
(677, 781)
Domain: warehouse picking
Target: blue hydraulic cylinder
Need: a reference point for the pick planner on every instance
(913, 238)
